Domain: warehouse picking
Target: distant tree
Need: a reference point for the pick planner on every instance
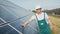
(54, 11)
(33, 11)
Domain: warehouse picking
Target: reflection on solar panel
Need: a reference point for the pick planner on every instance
(1, 21)
(11, 16)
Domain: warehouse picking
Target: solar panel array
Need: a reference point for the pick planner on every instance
(12, 15)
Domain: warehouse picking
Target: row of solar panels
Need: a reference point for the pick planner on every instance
(14, 15)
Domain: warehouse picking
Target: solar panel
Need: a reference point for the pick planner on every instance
(12, 15)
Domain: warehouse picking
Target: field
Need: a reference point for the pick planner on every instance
(55, 19)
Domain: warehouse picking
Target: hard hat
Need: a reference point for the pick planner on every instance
(38, 7)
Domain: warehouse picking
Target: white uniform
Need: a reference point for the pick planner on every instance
(40, 16)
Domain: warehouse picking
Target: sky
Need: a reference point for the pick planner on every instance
(31, 4)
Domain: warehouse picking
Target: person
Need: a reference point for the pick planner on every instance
(44, 22)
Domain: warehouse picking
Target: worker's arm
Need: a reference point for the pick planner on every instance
(27, 22)
(49, 21)
(51, 25)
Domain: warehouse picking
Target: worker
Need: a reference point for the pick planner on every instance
(44, 22)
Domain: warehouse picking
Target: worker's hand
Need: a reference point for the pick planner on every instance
(52, 27)
(23, 25)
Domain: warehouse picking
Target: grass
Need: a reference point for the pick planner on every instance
(56, 22)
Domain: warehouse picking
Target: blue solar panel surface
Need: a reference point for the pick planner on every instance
(10, 13)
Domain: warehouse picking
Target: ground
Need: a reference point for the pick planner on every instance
(55, 19)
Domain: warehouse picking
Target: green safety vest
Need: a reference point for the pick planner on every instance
(44, 28)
